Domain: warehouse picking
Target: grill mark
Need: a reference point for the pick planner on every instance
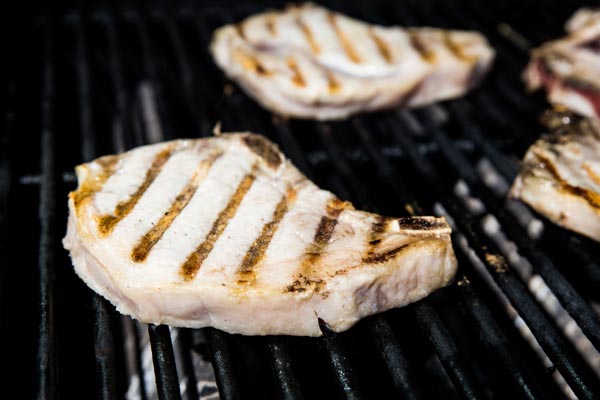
(592, 198)
(344, 41)
(590, 172)
(456, 49)
(257, 250)
(264, 149)
(106, 223)
(548, 165)
(332, 84)
(142, 249)
(270, 24)
(377, 229)
(240, 30)
(382, 46)
(251, 63)
(308, 35)
(376, 258)
(297, 77)
(309, 264)
(93, 185)
(194, 261)
(420, 47)
(374, 236)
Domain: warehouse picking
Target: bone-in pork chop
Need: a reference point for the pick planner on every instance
(226, 232)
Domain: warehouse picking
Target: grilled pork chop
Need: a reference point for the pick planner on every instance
(560, 177)
(309, 62)
(226, 232)
(569, 68)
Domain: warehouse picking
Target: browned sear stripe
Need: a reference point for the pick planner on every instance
(147, 242)
(374, 237)
(194, 261)
(308, 35)
(416, 41)
(457, 50)
(374, 258)
(264, 149)
(333, 84)
(377, 230)
(250, 63)
(270, 24)
(591, 173)
(94, 184)
(297, 77)
(591, 197)
(106, 223)
(345, 42)
(382, 46)
(257, 250)
(240, 30)
(323, 234)
(548, 165)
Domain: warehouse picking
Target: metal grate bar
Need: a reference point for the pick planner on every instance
(341, 363)
(167, 381)
(151, 75)
(454, 364)
(187, 367)
(222, 363)
(46, 346)
(494, 340)
(103, 326)
(122, 131)
(279, 352)
(188, 85)
(6, 147)
(393, 355)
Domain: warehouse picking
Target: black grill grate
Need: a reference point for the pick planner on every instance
(91, 80)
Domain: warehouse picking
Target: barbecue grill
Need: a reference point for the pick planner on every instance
(88, 80)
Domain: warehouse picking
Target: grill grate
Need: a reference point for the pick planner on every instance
(105, 78)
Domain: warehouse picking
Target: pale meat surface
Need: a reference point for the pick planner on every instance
(560, 176)
(569, 68)
(309, 62)
(226, 232)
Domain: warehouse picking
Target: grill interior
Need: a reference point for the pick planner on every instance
(97, 79)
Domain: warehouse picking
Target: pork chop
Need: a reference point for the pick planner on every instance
(569, 68)
(310, 62)
(560, 176)
(226, 232)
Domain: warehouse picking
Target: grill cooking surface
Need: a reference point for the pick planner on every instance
(88, 81)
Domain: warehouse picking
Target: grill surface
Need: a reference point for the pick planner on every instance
(88, 81)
